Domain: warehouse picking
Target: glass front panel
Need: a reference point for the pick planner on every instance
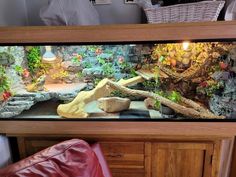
(119, 81)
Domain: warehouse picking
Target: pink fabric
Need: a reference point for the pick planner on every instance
(73, 158)
(98, 151)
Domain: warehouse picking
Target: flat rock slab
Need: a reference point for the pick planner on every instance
(65, 88)
(96, 113)
(113, 104)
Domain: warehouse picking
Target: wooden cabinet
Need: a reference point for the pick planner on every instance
(157, 158)
(181, 159)
(125, 158)
(29, 146)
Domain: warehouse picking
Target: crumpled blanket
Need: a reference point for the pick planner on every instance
(230, 13)
(69, 13)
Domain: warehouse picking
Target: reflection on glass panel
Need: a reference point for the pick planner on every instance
(126, 81)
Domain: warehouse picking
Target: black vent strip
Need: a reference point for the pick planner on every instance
(135, 114)
(227, 40)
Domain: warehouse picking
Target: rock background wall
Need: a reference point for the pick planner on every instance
(223, 103)
(19, 55)
(118, 59)
(21, 99)
(96, 62)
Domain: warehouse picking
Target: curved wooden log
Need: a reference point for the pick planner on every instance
(196, 111)
(195, 105)
(75, 109)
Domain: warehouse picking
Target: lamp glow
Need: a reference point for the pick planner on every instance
(185, 45)
(48, 55)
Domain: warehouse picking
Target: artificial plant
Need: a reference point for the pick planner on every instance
(5, 92)
(35, 64)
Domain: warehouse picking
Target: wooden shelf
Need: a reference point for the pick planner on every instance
(120, 33)
(143, 130)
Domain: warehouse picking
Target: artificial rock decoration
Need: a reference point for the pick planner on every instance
(113, 104)
(6, 59)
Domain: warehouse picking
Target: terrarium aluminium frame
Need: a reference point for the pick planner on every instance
(143, 33)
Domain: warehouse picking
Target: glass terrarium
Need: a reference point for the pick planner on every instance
(187, 80)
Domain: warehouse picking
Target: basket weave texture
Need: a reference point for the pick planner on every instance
(190, 12)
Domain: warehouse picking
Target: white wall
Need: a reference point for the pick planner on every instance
(5, 153)
(33, 7)
(26, 12)
(117, 12)
(13, 13)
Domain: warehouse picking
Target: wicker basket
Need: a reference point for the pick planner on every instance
(190, 12)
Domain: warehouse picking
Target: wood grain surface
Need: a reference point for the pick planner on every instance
(119, 33)
(118, 128)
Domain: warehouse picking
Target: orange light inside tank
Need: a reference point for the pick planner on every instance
(185, 45)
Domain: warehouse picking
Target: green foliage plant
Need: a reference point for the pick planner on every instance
(87, 65)
(107, 67)
(77, 58)
(108, 70)
(124, 65)
(18, 69)
(95, 81)
(209, 87)
(34, 59)
(133, 72)
(101, 60)
(80, 75)
(154, 84)
(60, 75)
(35, 65)
(173, 96)
(4, 80)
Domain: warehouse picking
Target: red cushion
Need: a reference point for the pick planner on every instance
(98, 151)
(73, 158)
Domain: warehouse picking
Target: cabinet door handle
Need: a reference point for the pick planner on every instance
(115, 155)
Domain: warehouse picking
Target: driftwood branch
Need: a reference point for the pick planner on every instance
(195, 111)
(76, 109)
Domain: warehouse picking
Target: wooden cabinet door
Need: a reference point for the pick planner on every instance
(125, 159)
(181, 159)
